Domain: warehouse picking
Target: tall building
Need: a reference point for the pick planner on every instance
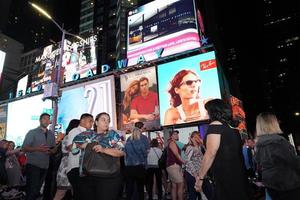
(11, 69)
(86, 17)
(281, 72)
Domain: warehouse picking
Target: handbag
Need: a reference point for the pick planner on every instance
(99, 164)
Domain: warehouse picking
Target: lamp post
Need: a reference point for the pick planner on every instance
(58, 69)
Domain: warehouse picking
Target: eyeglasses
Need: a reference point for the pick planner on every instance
(189, 82)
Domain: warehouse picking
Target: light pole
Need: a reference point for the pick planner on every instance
(58, 69)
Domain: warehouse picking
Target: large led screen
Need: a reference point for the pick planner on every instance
(185, 86)
(3, 119)
(92, 97)
(23, 115)
(2, 59)
(79, 61)
(140, 99)
(22, 86)
(238, 113)
(170, 25)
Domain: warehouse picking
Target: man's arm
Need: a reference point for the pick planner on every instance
(27, 144)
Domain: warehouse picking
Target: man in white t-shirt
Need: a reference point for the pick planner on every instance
(86, 123)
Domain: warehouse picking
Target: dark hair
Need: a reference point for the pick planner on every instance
(175, 83)
(97, 118)
(172, 132)
(139, 125)
(72, 124)
(154, 143)
(86, 115)
(43, 115)
(144, 79)
(218, 110)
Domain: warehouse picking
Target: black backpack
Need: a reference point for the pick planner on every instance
(162, 161)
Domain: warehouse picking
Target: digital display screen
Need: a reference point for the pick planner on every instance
(79, 61)
(238, 113)
(3, 119)
(185, 86)
(140, 99)
(23, 115)
(2, 59)
(170, 25)
(22, 86)
(93, 97)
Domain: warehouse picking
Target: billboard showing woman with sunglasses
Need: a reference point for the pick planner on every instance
(184, 88)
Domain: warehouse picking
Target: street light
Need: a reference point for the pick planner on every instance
(58, 70)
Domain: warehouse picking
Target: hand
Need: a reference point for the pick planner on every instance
(198, 184)
(42, 148)
(150, 117)
(98, 148)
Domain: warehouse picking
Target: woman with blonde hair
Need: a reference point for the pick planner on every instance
(136, 151)
(130, 93)
(277, 158)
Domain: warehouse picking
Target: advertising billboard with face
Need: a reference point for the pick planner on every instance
(140, 99)
(23, 115)
(93, 97)
(185, 86)
(3, 119)
(79, 61)
(170, 25)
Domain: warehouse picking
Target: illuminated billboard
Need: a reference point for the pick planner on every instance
(22, 86)
(238, 113)
(185, 86)
(3, 120)
(140, 99)
(2, 59)
(79, 61)
(93, 97)
(170, 25)
(23, 115)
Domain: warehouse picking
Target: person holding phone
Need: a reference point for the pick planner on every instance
(37, 146)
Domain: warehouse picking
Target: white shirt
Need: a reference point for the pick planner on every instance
(73, 160)
(153, 156)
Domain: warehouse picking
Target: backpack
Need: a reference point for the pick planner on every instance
(162, 161)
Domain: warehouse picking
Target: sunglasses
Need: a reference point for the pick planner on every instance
(189, 82)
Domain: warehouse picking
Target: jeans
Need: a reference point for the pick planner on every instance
(135, 176)
(190, 180)
(35, 177)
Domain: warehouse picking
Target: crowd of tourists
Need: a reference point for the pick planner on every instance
(91, 161)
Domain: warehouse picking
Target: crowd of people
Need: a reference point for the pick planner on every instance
(92, 161)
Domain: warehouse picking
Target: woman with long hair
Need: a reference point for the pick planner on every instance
(223, 155)
(194, 155)
(276, 156)
(110, 143)
(63, 184)
(186, 103)
(136, 148)
(129, 94)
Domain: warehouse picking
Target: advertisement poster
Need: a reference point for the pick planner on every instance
(140, 99)
(79, 61)
(22, 118)
(170, 25)
(185, 86)
(92, 97)
(22, 86)
(2, 59)
(238, 113)
(3, 119)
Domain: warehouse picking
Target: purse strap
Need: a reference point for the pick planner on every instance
(155, 153)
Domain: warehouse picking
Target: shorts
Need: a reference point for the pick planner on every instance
(175, 173)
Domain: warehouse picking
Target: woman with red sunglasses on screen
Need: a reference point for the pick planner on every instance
(187, 106)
